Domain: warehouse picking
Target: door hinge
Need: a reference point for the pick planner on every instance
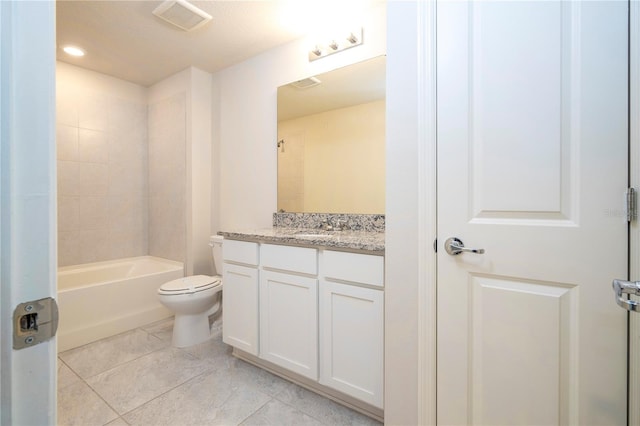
(632, 205)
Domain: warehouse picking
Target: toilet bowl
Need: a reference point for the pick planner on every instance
(193, 299)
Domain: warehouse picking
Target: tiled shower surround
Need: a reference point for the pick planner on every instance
(167, 178)
(102, 175)
(120, 161)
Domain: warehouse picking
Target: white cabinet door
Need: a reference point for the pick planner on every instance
(532, 167)
(352, 341)
(240, 307)
(289, 322)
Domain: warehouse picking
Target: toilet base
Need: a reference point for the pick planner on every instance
(189, 330)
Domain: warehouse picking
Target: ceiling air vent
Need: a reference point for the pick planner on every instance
(182, 14)
(305, 83)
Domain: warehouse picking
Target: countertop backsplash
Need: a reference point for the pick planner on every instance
(354, 222)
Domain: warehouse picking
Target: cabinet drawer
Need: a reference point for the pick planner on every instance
(240, 252)
(286, 258)
(353, 267)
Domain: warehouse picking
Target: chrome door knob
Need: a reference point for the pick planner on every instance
(454, 246)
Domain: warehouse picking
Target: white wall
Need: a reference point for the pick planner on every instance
(246, 135)
(102, 162)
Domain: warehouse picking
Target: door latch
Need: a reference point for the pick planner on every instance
(34, 322)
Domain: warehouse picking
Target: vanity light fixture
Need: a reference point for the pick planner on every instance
(347, 40)
(73, 51)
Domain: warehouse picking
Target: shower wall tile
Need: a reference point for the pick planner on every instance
(93, 146)
(68, 175)
(92, 179)
(102, 168)
(126, 213)
(94, 245)
(93, 213)
(167, 178)
(92, 111)
(66, 106)
(127, 148)
(67, 142)
(168, 242)
(128, 243)
(127, 181)
(68, 214)
(69, 248)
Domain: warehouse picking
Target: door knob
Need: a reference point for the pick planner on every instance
(454, 246)
(627, 287)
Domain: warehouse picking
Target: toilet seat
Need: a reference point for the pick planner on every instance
(190, 285)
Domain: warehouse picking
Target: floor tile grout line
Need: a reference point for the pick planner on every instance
(256, 410)
(208, 358)
(97, 393)
(103, 339)
(102, 399)
(72, 372)
(121, 364)
(164, 393)
(301, 410)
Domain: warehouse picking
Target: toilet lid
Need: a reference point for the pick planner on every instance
(193, 283)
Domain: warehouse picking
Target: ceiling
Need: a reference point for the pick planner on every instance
(125, 40)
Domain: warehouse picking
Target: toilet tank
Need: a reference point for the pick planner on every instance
(215, 241)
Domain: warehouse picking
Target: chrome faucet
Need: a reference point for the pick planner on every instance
(325, 225)
(341, 225)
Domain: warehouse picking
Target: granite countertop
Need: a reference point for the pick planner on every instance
(355, 241)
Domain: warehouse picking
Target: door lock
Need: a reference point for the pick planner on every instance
(34, 322)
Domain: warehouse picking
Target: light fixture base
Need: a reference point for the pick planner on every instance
(328, 47)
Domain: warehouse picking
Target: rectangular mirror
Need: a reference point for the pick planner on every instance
(331, 141)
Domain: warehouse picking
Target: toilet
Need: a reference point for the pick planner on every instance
(193, 299)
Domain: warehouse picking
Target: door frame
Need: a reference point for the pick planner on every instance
(410, 265)
(410, 260)
(28, 262)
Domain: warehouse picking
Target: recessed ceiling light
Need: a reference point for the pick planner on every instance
(73, 51)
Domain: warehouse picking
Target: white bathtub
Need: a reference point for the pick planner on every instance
(101, 299)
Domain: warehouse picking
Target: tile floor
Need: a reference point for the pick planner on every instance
(137, 378)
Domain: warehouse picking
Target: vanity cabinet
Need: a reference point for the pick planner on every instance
(240, 295)
(311, 314)
(289, 308)
(351, 324)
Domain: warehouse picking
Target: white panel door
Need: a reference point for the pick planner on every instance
(532, 167)
(289, 322)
